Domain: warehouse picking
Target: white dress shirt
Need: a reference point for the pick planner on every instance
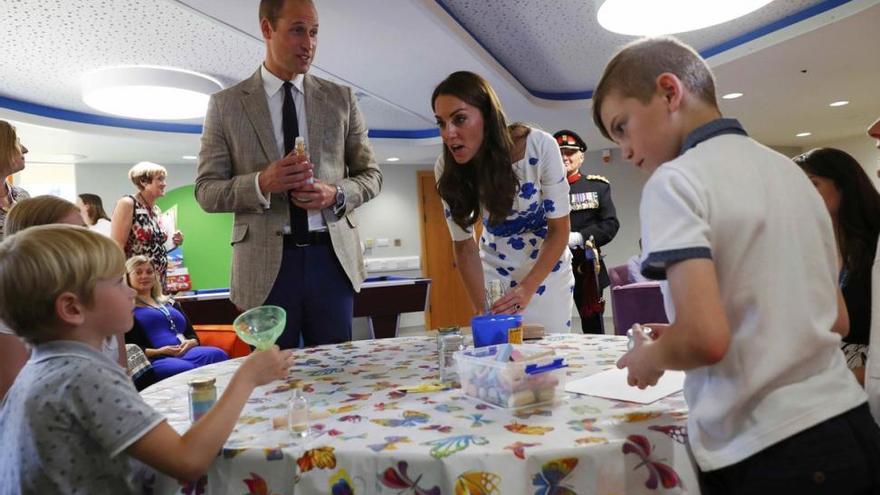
(275, 98)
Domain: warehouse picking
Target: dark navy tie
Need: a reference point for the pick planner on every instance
(299, 219)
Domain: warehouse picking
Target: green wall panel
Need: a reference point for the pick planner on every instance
(206, 250)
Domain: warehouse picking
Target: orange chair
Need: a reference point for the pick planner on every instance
(224, 337)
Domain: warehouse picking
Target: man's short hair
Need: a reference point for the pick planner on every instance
(40, 263)
(271, 9)
(633, 72)
(144, 173)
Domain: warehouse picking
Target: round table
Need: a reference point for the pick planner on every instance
(374, 432)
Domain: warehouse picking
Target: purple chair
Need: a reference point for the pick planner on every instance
(619, 275)
(637, 303)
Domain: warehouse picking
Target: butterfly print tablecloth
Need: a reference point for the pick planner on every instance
(376, 432)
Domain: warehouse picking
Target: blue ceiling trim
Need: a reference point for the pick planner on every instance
(146, 125)
(88, 118)
(715, 50)
(774, 26)
(404, 134)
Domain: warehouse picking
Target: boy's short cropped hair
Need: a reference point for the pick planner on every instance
(40, 263)
(633, 72)
(144, 173)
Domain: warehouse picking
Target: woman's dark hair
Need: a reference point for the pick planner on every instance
(859, 211)
(94, 206)
(488, 178)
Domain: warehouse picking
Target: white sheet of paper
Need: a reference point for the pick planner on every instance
(611, 384)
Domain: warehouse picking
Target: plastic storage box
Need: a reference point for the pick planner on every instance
(538, 379)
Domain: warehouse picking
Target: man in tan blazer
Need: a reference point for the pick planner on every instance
(295, 240)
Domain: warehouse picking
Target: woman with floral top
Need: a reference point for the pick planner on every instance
(137, 221)
(512, 178)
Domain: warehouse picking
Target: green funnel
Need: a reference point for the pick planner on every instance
(260, 326)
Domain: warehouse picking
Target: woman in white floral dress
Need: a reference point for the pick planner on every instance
(513, 180)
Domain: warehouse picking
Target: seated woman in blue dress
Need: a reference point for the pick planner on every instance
(160, 328)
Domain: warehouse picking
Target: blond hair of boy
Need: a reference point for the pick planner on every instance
(62, 288)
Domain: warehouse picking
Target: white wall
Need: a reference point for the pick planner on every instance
(110, 181)
(394, 213)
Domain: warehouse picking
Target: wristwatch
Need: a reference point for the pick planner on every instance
(339, 206)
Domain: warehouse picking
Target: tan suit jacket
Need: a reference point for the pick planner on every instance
(238, 142)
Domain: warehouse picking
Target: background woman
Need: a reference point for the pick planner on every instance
(512, 178)
(11, 161)
(137, 224)
(854, 205)
(92, 210)
(160, 328)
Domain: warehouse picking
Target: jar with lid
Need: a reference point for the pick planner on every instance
(202, 396)
(449, 341)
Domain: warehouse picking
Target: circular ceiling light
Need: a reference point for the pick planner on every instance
(840, 103)
(731, 96)
(392, 159)
(653, 18)
(146, 92)
(803, 134)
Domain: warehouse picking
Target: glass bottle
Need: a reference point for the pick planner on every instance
(298, 414)
(449, 341)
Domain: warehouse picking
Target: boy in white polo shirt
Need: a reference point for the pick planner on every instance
(747, 248)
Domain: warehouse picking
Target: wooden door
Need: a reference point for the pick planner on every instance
(449, 304)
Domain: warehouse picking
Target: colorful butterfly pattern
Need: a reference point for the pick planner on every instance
(658, 472)
(399, 479)
(320, 458)
(478, 483)
(410, 418)
(445, 447)
(380, 424)
(549, 480)
(519, 448)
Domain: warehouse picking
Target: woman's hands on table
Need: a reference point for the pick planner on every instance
(515, 300)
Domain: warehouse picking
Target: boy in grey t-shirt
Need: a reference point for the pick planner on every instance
(72, 418)
(71, 413)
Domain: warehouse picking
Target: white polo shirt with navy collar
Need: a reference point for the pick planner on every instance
(754, 213)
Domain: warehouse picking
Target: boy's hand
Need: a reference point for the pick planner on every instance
(263, 367)
(641, 373)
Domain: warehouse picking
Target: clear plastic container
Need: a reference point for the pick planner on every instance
(538, 379)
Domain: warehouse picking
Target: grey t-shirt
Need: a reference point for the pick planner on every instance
(66, 421)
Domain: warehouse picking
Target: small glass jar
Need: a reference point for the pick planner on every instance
(202, 396)
(298, 414)
(494, 292)
(449, 341)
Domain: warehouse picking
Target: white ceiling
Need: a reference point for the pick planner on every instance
(395, 51)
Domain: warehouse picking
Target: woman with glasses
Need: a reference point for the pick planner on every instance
(160, 328)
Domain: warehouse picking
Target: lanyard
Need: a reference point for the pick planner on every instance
(165, 311)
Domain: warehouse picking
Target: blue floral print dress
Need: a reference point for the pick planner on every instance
(509, 251)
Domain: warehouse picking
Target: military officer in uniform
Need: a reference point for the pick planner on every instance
(593, 224)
